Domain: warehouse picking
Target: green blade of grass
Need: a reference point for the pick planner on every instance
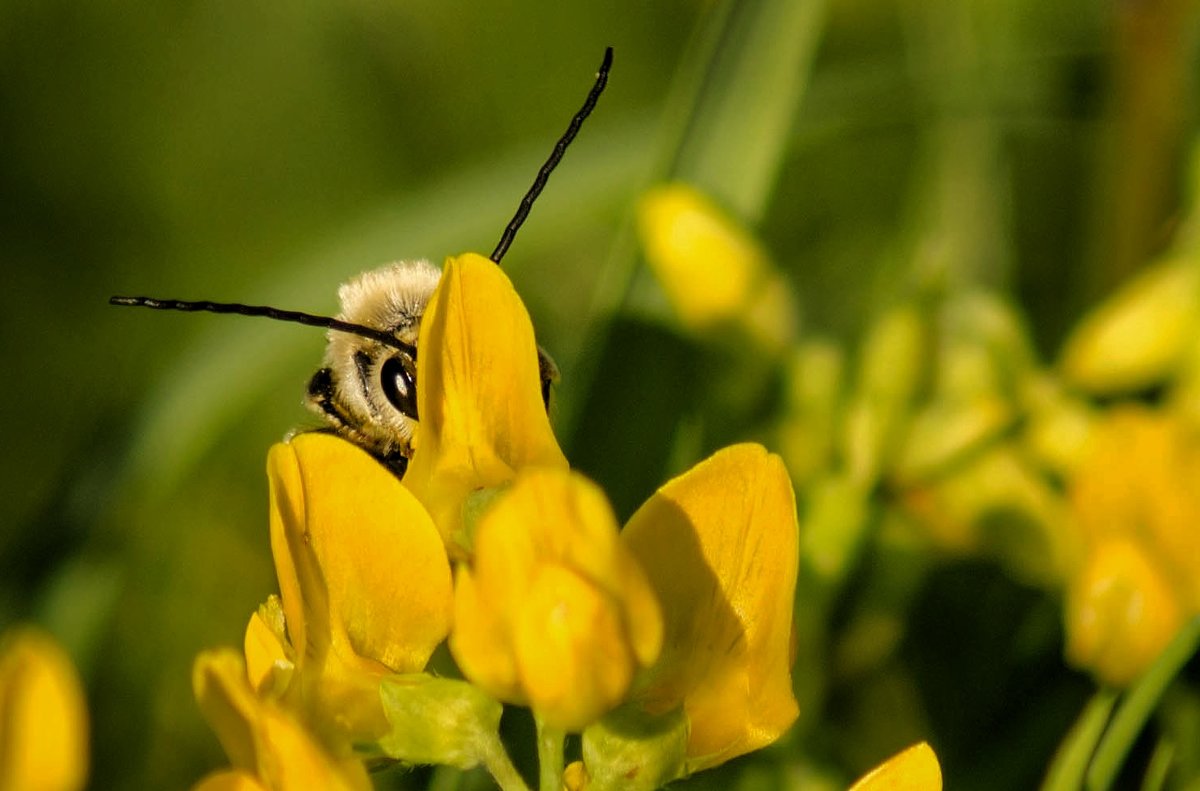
(1139, 703)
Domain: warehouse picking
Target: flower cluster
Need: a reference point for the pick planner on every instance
(666, 644)
(1075, 477)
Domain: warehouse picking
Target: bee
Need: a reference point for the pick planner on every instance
(366, 388)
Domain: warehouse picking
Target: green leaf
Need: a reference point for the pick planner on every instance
(1075, 751)
(438, 721)
(1140, 702)
(753, 66)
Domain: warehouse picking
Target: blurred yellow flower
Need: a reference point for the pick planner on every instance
(266, 744)
(713, 272)
(913, 769)
(1140, 335)
(720, 546)
(554, 611)
(365, 584)
(478, 394)
(43, 717)
(1136, 506)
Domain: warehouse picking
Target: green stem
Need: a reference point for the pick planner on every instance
(550, 756)
(495, 759)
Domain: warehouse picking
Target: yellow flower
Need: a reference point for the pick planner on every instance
(712, 270)
(1140, 335)
(720, 546)
(478, 394)
(268, 747)
(914, 769)
(364, 579)
(554, 611)
(43, 718)
(1136, 507)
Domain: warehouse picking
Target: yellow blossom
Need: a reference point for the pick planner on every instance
(720, 546)
(554, 611)
(43, 719)
(1136, 508)
(913, 769)
(1140, 335)
(364, 579)
(478, 394)
(268, 748)
(713, 272)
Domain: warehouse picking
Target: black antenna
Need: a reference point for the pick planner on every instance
(555, 157)
(295, 316)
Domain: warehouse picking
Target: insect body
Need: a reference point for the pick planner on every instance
(366, 388)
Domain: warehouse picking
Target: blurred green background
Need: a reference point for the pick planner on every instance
(263, 153)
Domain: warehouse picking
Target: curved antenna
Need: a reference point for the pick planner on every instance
(555, 157)
(294, 316)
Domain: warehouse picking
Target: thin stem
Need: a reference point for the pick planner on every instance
(550, 756)
(495, 759)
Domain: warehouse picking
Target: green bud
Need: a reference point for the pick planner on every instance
(835, 515)
(891, 370)
(1058, 426)
(943, 433)
(990, 348)
(814, 385)
(438, 720)
(634, 751)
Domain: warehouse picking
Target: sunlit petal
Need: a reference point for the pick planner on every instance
(720, 544)
(360, 543)
(914, 769)
(478, 393)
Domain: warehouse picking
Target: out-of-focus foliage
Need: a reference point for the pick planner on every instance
(946, 188)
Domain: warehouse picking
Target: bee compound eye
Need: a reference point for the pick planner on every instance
(398, 379)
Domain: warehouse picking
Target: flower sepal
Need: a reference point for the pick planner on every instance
(630, 749)
(438, 721)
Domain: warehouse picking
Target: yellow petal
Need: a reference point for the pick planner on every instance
(262, 739)
(370, 568)
(478, 393)
(269, 662)
(43, 718)
(914, 769)
(554, 612)
(720, 545)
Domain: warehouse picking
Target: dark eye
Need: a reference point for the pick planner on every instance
(398, 378)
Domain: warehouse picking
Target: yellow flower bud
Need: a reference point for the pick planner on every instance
(553, 611)
(712, 270)
(720, 545)
(1139, 335)
(479, 398)
(1120, 613)
(1136, 508)
(43, 718)
(267, 746)
(914, 769)
(364, 579)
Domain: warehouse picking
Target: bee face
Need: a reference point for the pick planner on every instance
(366, 390)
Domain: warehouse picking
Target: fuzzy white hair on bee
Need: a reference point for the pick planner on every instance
(366, 388)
